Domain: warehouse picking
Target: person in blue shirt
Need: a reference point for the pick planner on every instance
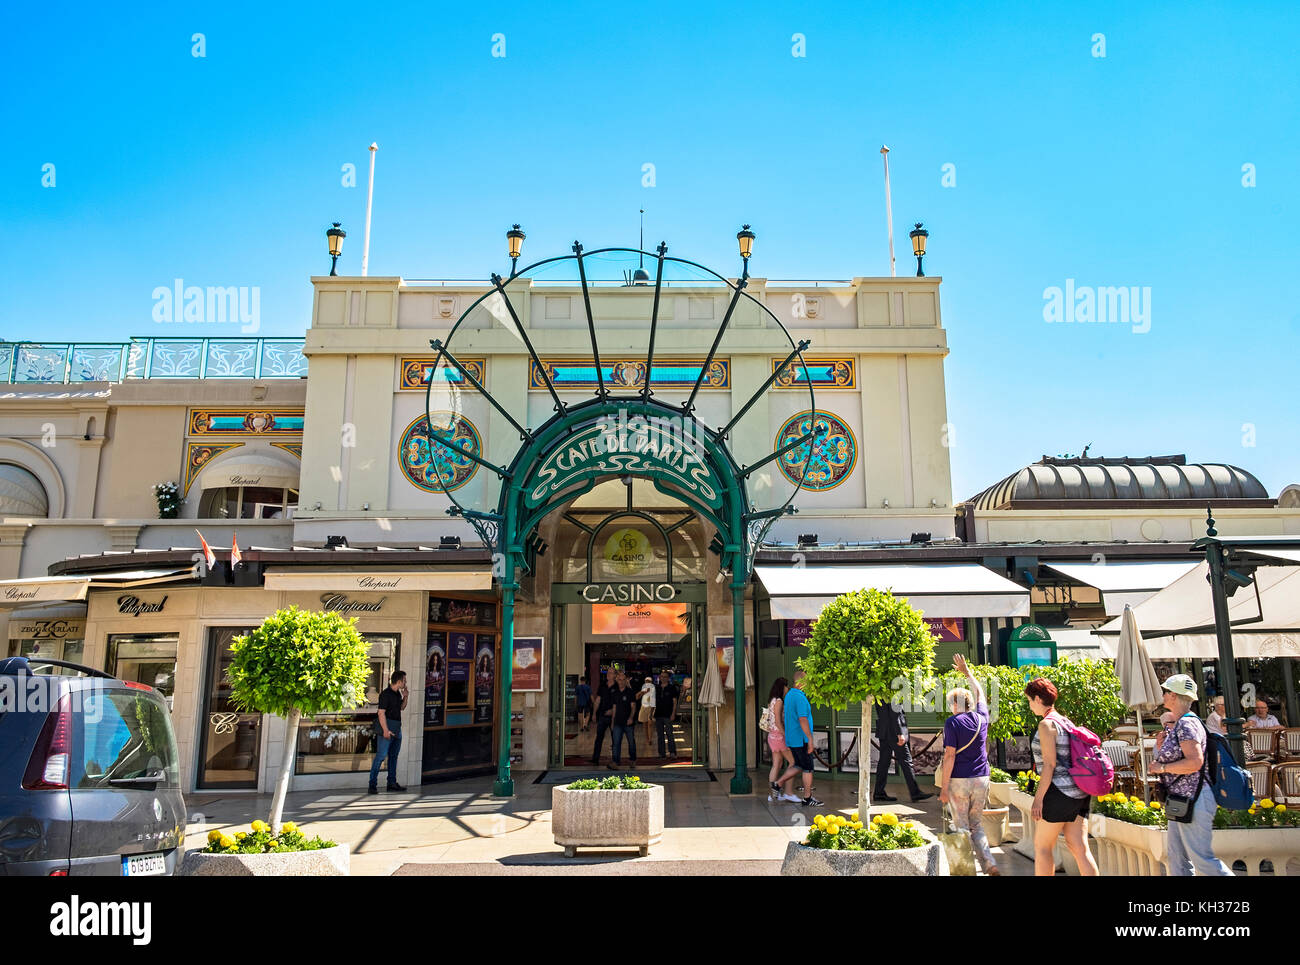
(583, 695)
(798, 737)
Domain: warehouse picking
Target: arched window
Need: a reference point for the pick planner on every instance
(248, 502)
(21, 493)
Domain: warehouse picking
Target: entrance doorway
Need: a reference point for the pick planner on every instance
(591, 656)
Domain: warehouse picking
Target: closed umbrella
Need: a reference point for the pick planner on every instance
(749, 669)
(1139, 687)
(710, 694)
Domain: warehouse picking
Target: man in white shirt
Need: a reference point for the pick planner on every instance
(1214, 723)
(1261, 717)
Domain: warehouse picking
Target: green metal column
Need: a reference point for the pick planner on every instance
(504, 785)
(1233, 720)
(740, 783)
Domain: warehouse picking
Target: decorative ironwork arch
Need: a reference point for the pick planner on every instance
(616, 435)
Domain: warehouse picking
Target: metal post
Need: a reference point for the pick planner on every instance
(1227, 664)
(740, 783)
(504, 786)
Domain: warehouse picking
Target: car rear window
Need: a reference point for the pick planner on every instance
(124, 735)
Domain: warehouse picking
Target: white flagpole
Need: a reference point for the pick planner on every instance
(370, 197)
(889, 213)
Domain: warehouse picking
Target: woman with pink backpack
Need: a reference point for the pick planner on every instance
(1060, 805)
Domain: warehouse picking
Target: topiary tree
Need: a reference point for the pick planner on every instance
(862, 644)
(298, 662)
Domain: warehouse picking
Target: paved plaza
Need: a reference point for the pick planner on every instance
(458, 828)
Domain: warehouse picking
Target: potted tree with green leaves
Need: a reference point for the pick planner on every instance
(297, 663)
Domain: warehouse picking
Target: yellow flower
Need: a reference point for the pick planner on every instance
(1280, 809)
(857, 825)
(876, 818)
(1251, 811)
(240, 835)
(1156, 806)
(907, 824)
(854, 817)
(1141, 806)
(227, 841)
(1266, 804)
(214, 835)
(820, 821)
(289, 827)
(832, 829)
(888, 819)
(259, 826)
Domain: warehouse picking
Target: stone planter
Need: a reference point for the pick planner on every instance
(995, 822)
(1000, 794)
(607, 819)
(1124, 848)
(1024, 803)
(927, 861)
(327, 862)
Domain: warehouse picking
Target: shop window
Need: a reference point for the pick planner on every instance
(70, 650)
(248, 502)
(345, 741)
(146, 658)
(459, 685)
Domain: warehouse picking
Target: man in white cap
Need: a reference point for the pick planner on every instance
(1179, 762)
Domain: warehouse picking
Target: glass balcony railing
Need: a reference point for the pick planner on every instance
(61, 363)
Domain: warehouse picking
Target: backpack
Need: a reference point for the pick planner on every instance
(1090, 768)
(1231, 783)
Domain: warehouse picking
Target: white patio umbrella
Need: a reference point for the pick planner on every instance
(749, 669)
(710, 694)
(1139, 687)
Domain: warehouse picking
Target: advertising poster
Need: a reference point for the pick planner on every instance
(461, 646)
(797, 632)
(649, 618)
(484, 675)
(435, 678)
(947, 629)
(527, 668)
(723, 648)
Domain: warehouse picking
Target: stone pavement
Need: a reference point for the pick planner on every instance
(459, 828)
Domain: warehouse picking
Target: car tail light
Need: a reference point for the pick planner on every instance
(48, 768)
(61, 873)
(138, 686)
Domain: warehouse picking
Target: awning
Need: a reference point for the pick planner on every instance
(50, 589)
(936, 589)
(1122, 582)
(376, 581)
(1080, 642)
(261, 470)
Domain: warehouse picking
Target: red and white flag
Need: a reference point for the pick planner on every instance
(235, 556)
(210, 556)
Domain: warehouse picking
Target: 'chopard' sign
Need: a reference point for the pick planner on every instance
(371, 583)
(339, 603)
(135, 606)
(19, 593)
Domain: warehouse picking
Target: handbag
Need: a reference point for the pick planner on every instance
(957, 846)
(1180, 807)
(768, 720)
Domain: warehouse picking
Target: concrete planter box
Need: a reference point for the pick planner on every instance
(607, 819)
(1024, 803)
(1131, 849)
(327, 862)
(1000, 794)
(927, 861)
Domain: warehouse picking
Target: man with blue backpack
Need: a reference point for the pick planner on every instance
(1187, 784)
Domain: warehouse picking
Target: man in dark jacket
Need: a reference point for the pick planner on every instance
(891, 728)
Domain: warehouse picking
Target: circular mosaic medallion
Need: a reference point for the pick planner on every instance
(436, 468)
(833, 458)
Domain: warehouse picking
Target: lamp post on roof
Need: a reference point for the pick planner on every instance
(335, 236)
(918, 236)
(515, 242)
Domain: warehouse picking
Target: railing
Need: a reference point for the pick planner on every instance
(61, 363)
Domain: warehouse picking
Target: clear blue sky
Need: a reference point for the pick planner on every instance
(1123, 170)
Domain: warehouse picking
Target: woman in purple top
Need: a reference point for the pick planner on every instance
(966, 763)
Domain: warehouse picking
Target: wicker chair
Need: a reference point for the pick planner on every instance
(1261, 776)
(1128, 733)
(1136, 766)
(1288, 743)
(1263, 742)
(1121, 755)
(1286, 784)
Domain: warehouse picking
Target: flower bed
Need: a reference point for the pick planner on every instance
(842, 846)
(257, 852)
(617, 812)
(1000, 786)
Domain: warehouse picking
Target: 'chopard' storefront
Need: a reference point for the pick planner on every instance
(437, 619)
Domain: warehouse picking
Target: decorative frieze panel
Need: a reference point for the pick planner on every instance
(416, 369)
(669, 373)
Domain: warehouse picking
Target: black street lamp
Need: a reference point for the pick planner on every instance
(745, 238)
(515, 239)
(335, 235)
(918, 236)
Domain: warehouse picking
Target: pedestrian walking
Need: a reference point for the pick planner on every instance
(1060, 806)
(583, 695)
(891, 725)
(666, 695)
(388, 731)
(782, 759)
(966, 764)
(1189, 803)
(604, 713)
(646, 715)
(624, 703)
(797, 728)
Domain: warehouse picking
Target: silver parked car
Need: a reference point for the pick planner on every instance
(89, 780)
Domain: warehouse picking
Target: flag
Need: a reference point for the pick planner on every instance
(210, 556)
(234, 551)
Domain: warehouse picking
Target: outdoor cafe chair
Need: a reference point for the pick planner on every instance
(1261, 776)
(1263, 742)
(1121, 755)
(1288, 743)
(1286, 782)
(1127, 733)
(1136, 767)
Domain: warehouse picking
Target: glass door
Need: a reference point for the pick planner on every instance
(699, 715)
(558, 695)
(232, 740)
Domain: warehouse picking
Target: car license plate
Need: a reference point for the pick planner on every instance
(144, 864)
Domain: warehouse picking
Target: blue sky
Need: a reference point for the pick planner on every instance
(1125, 170)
